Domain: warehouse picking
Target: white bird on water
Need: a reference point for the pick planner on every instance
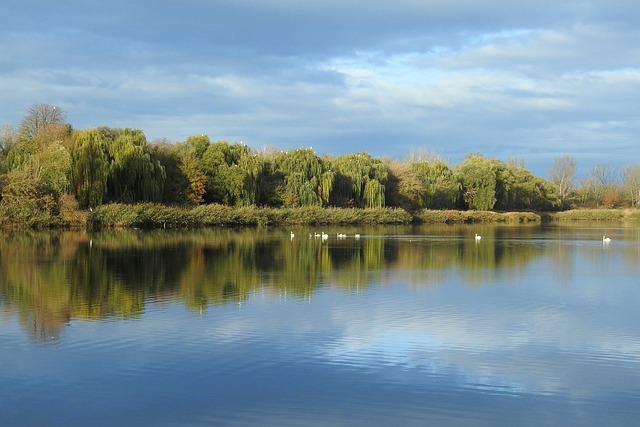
(606, 239)
(292, 235)
(478, 237)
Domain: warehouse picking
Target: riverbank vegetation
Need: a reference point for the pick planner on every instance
(52, 175)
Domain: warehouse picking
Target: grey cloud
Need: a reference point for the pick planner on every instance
(518, 79)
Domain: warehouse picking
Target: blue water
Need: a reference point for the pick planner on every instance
(404, 326)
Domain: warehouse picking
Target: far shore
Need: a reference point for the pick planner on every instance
(148, 215)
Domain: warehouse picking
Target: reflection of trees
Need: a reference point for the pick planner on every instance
(52, 278)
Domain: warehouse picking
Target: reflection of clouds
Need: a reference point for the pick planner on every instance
(530, 346)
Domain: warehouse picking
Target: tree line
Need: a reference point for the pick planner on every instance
(47, 166)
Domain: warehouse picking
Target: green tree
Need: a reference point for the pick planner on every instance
(353, 178)
(405, 188)
(197, 144)
(191, 168)
(305, 178)
(233, 174)
(177, 188)
(133, 175)
(441, 186)
(529, 192)
(478, 181)
(31, 192)
(90, 167)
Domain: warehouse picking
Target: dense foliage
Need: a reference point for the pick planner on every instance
(46, 168)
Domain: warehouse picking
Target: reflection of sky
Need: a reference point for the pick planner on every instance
(522, 340)
(538, 336)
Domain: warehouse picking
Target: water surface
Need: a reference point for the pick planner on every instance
(531, 325)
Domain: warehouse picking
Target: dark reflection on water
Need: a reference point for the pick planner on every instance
(531, 325)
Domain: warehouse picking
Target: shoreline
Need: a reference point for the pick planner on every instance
(157, 216)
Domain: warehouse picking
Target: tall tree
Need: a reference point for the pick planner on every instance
(133, 175)
(441, 186)
(233, 174)
(306, 180)
(405, 187)
(478, 181)
(40, 116)
(176, 185)
(562, 175)
(602, 180)
(529, 192)
(631, 184)
(90, 167)
(352, 183)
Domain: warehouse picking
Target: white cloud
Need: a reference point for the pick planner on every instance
(455, 76)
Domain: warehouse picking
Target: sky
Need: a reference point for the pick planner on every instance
(510, 79)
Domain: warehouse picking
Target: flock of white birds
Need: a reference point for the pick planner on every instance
(325, 236)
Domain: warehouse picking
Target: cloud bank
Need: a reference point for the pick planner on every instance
(507, 79)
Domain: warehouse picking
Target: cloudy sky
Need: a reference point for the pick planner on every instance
(509, 79)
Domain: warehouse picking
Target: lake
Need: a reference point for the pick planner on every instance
(410, 325)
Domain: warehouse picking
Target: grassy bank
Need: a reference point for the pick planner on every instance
(470, 217)
(149, 215)
(152, 215)
(593, 215)
(160, 216)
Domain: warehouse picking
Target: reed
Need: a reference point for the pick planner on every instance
(594, 215)
(151, 215)
(470, 217)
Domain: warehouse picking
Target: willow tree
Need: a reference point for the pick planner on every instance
(404, 187)
(196, 144)
(176, 184)
(440, 183)
(90, 167)
(133, 175)
(478, 182)
(233, 173)
(252, 166)
(359, 180)
(306, 180)
(529, 192)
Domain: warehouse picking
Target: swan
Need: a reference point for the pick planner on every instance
(606, 239)
(357, 236)
(292, 235)
(478, 237)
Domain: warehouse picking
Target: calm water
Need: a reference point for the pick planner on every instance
(532, 325)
